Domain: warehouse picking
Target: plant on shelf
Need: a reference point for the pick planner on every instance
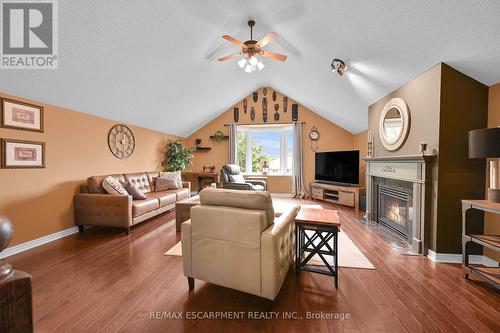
(218, 136)
(177, 157)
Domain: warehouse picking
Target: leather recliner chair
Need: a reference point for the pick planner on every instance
(232, 178)
(235, 240)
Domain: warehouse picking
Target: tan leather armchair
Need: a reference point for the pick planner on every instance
(234, 240)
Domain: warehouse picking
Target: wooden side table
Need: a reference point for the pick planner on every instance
(325, 225)
(183, 210)
(489, 274)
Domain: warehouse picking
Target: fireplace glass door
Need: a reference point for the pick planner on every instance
(394, 210)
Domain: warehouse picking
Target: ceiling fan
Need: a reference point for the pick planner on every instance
(250, 49)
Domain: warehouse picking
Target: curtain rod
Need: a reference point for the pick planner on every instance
(302, 122)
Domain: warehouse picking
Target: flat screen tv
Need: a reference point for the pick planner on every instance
(340, 167)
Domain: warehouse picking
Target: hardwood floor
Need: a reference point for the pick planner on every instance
(101, 280)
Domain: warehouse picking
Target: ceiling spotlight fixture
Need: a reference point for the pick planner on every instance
(338, 66)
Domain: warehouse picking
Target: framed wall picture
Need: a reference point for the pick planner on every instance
(20, 115)
(22, 154)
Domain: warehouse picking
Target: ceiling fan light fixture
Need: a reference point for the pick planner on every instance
(338, 66)
(260, 66)
(242, 63)
(249, 68)
(253, 60)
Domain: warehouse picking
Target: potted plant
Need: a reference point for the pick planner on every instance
(177, 157)
(218, 136)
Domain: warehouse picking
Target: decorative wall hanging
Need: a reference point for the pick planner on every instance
(245, 105)
(236, 114)
(394, 124)
(276, 107)
(314, 136)
(252, 113)
(121, 141)
(264, 115)
(255, 96)
(19, 154)
(276, 116)
(20, 115)
(274, 96)
(264, 103)
(285, 104)
(295, 112)
(264, 91)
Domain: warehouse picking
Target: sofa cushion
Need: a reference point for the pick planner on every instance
(256, 200)
(139, 180)
(113, 186)
(237, 179)
(182, 193)
(164, 198)
(136, 193)
(94, 183)
(151, 176)
(168, 181)
(141, 207)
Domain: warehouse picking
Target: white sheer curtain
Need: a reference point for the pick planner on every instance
(298, 188)
(232, 143)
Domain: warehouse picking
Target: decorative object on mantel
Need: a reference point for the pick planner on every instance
(219, 136)
(121, 141)
(394, 124)
(20, 115)
(285, 104)
(264, 91)
(255, 96)
(369, 150)
(178, 157)
(485, 143)
(236, 114)
(314, 136)
(15, 290)
(21, 154)
(295, 112)
(245, 106)
(422, 147)
(252, 113)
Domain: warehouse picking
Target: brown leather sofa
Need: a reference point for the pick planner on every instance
(94, 206)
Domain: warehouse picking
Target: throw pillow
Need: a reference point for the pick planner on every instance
(165, 184)
(174, 181)
(135, 192)
(236, 178)
(113, 186)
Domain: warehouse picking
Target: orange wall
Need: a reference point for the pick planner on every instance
(492, 221)
(332, 137)
(40, 201)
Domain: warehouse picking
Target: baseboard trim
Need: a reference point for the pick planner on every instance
(281, 195)
(37, 242)
(453, 258)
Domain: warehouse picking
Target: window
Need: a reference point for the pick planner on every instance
(258, 144)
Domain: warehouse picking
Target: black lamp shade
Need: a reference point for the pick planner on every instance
(484, 143)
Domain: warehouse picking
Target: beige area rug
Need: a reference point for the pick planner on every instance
(349, 255)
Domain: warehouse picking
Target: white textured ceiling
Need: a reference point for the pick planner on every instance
(152, 63)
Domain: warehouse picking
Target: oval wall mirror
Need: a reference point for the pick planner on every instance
(394, 124)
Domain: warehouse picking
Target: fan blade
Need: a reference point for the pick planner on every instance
(229, 57)
(272, 55)
(267, 39)
(233, 40)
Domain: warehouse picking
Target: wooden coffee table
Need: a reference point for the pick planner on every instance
(325, 225)
(183, 210)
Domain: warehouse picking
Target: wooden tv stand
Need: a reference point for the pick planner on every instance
(337, 194)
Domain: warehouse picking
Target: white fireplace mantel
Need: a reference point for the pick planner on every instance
(415, 169)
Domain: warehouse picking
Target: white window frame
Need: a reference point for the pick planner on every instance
(249, 129)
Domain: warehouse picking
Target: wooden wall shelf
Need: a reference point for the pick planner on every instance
(201, 149)
(226, 137)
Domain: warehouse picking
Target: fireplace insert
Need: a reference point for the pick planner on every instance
(395, 210)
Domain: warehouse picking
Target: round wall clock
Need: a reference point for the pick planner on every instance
(314, 134)
(121, 141)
